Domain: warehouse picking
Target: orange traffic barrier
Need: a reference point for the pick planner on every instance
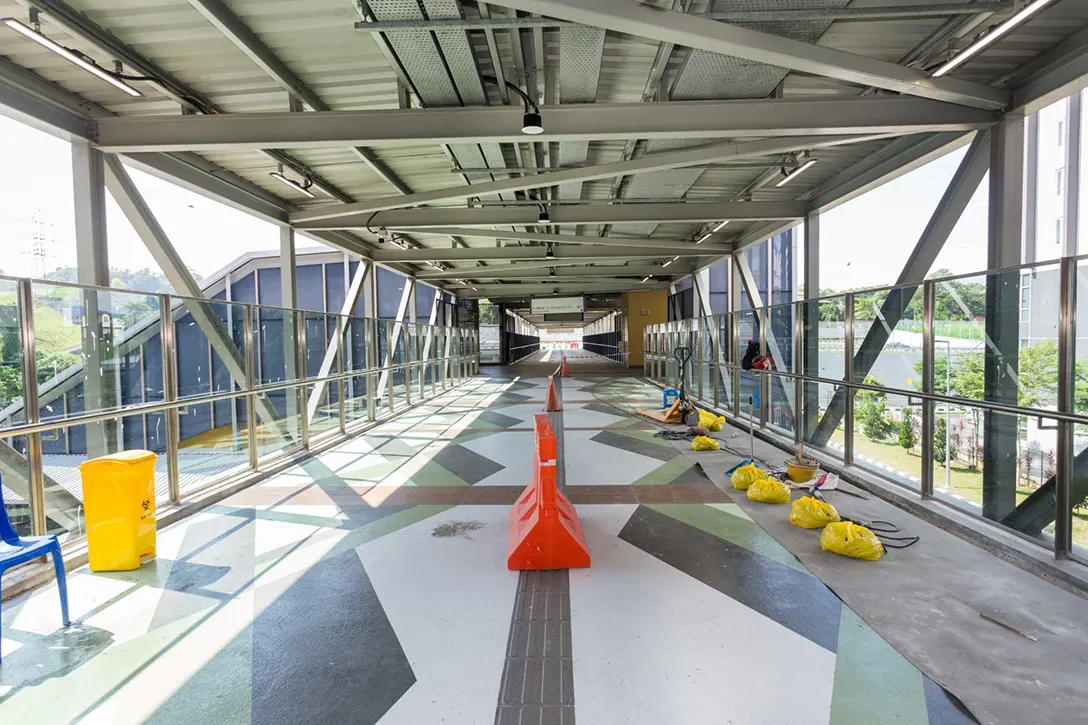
(544, 528)
(551, 400)
(564, 368)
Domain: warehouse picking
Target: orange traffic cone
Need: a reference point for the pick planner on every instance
(544, 528)
(551, 400)
(564, 368)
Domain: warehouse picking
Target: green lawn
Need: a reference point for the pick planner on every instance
(965, 482)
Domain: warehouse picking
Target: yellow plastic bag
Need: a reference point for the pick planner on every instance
(746, 475)
(850, 539)
(702, 443)
(769, 490)
(810, 513)
(711, 422)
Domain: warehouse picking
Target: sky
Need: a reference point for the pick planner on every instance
(36, 200)
(864, 242)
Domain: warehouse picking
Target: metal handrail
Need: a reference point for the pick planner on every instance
(160, 406)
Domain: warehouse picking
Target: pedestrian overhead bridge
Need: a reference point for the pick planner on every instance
(341, 432)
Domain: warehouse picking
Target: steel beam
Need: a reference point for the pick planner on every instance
(332, 352)
(540, 271)
(243, 38)
(943, 220)
(1056, 74)
(394, 336)
(898, 12)
(896, 159)
(662, 244)
(682, 29)
(586, 273)
(139, 214)
(823, 116)
(682, 211)
(502, 292)
(1071, 223)
(487, 254)
(657, 162)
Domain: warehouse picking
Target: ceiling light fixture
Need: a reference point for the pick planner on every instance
(72, 56)
(970, 51)
(719, 227)
(531, 123)
(703, 238)
(543, 216)
(646, 279)
(671, 261)
(788, 176)
(549, 254)
(303, 187)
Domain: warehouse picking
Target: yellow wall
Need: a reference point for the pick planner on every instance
(655, 303)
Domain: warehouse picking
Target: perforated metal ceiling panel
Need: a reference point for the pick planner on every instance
(710, 75)
(417, 53)
(581, 50)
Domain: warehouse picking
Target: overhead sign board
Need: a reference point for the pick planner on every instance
(553, 305)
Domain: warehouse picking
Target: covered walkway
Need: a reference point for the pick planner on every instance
(368, 585)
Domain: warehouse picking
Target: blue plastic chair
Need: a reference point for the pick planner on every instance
(15, 550)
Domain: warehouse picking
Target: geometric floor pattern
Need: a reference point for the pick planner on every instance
(363, 587)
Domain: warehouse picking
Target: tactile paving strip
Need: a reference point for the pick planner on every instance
(538, 679)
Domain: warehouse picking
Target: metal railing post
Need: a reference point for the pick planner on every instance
(1067, 343)
(848, 377)
(300, 390)
(389, 355)
(762, 379)
(928, 408)
(251, 382)
(370, 333)
(168, 350)
(31, 408)
(734, 369)
(798, 368)
(341, 331)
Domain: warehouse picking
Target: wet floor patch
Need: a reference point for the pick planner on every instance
(462, 529)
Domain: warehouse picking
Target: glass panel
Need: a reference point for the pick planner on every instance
(16, 475)
(216, 451)
(82, 339)
(824, 355)
(1025, 458)
(749, 381)
(780, 348)
(888, 337)
(976, 318)
(280, 435)
(210, 342)
(727, 356)
(327, 414)
(886, 439)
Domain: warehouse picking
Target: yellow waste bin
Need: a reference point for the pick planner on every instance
(119, 508)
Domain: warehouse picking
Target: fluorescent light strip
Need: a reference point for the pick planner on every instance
(293, 184)
(70, 56)
(720, 226)
(646, 279)
(796, 172)
(972, 50)
(666, 264)
(703, 238)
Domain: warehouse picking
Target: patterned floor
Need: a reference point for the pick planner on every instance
(369, 586)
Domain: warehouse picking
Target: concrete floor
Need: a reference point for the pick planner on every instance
(369, 586)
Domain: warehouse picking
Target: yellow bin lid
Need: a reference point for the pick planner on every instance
(124, 458)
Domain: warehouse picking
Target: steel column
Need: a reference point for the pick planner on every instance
(251, 382)
(168, 345)
(1067, 364)
(1070, 244)
(31, 408)
(848, 398)
(928, 408)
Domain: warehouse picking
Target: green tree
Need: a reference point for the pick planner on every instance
(940, 375)
(907, 437)
(11, 385)
(871, 411)
(941, 436)
(1037, 374)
